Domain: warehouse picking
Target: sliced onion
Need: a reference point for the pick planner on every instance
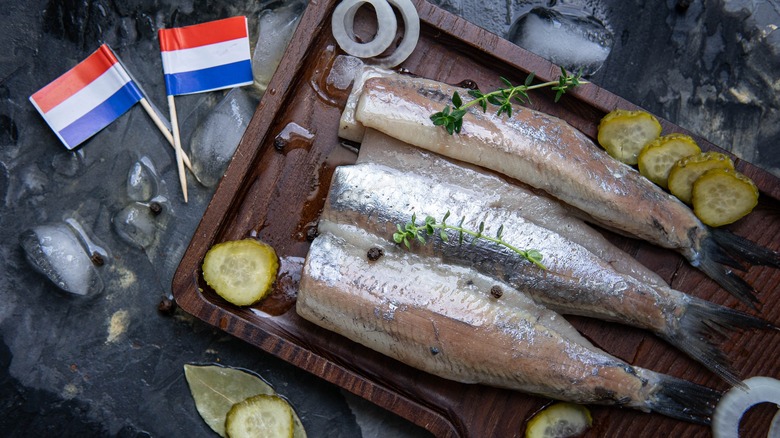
(411, 34)
(734, 404)
(343, 21)
(774, 427)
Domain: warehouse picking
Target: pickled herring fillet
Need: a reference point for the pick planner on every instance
(533, 205)
(374, 198)
(443, 320)
(549, 154)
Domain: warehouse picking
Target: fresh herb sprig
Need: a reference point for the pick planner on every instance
(410, 232)
(452, 118)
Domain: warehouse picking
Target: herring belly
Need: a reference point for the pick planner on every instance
(442, 319)
(533, 205)
(575, 281)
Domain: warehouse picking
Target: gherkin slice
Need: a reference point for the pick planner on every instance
(624, 133)
(263, 415)
(241, 271)
(657, 158)
(559, 420)
(723, 196)
(686, 171)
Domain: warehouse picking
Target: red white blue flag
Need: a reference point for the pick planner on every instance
(87, 98)
(205, 57)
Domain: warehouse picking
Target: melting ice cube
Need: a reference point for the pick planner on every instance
(216, 138)
(54, 251)
(275, 29)
(137, 224)
(572, 41)
(142, 180)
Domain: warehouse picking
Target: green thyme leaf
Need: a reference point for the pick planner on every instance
(452, 119)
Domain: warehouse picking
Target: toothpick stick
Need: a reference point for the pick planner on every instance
(165, 132)
(177, 146)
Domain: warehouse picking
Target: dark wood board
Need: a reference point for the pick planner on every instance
(276, 185)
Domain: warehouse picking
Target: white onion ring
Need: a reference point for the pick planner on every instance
(411, 34)
(342, 24)
(774, 426)
(733, 404)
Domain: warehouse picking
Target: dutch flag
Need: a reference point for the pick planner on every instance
(87, 98)
(207, 56)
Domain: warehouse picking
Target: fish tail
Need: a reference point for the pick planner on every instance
(722, 250)
(703, 326)
(718, 255)
(745, 250)
(683, 400)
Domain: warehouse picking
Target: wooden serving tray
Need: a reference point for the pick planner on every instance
(276, 185)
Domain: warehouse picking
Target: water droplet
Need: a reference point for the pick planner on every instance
(293, 136)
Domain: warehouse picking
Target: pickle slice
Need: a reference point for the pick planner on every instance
(263, 415)
(624, 133)
(241, 271)
(685, 172)
(559, 420)
(657, 157)
(723, 196)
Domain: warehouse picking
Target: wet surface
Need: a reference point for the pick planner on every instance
(103, 353)
(109, 362)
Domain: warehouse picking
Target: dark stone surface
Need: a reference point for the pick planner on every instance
(710, 67)
(112, 364)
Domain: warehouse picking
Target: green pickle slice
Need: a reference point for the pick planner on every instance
(559, 420)
(685, 172)
(241, 271)
(657, 157)
(263, 415)
(624, 133)
(723, 196)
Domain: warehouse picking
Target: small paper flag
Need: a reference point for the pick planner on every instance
(87, 98)
(207, 56)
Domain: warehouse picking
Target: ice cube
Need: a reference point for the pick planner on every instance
(54, 251)
(68, 163)
(344, 71)
(137, 224)
(275, 29)
(216, 138)
(142, 180)
(572, 41)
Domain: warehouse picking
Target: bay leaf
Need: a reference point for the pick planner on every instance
(216, 389)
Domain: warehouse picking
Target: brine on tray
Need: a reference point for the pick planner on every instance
(462, 270)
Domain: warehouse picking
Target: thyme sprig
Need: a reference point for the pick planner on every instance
(452, 118)
(410, 232)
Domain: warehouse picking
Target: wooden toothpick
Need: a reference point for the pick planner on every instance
(177, 146)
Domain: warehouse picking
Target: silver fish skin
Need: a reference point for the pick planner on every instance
(375, 198)
(442, 319)
(549, 154)
(533, 205)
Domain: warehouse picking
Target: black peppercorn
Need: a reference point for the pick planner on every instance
(375, 253)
